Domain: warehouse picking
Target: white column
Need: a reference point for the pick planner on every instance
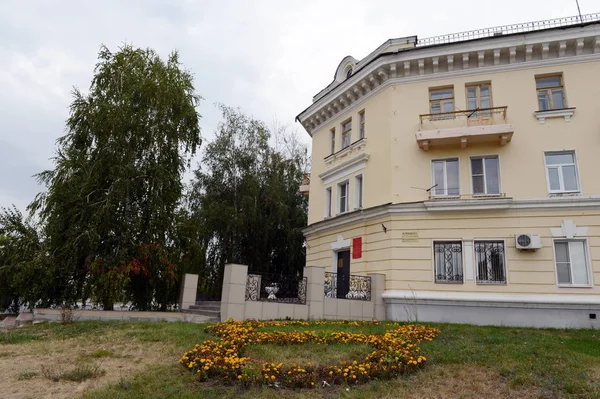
(468, 256)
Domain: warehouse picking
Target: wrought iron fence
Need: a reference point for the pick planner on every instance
(489, 256)
(276, 288)
(508, 29)
(359, 287)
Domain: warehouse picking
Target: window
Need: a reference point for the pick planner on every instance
(571, 262)
(359, 191)
(489, 256)
(479, 97)
(561, 172)
(485, 174)
(447, 259)
(343, 192)
(332, 141)
(550, 92)
(328, 202)
(445, 178)
(346, 133)
(441, 100)
(361, 118)
(348, 73)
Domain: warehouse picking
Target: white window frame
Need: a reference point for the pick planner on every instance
(548, 92)
(339, 196)
(361, 124)
(588, 263)
(358, 191)
(328, 202)
(332, 141)
(462, 260)
(346, 135)
(433, 182)
(442, 101)
(485, 194)
(560, 174)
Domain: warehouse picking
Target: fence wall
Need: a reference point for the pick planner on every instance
(235, 303)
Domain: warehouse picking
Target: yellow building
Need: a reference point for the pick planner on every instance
(466, 169)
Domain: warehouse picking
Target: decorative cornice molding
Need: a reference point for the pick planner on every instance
(454, 206)
(568, 229)
(470, 72)
(567, 113)
(557, 47)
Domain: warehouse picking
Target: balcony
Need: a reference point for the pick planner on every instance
(358, 147)
(462, 128)
(305, 186)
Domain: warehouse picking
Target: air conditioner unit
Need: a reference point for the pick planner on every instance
(528, 241)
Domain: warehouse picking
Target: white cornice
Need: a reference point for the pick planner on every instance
(560, 299)
(379, 75)
(487, 204)
(469, 72)
(453, 206)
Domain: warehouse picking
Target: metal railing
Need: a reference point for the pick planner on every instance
(359, 287)
(508, 29)
(489, 257)
(276, 288)
(470, 117)
(450, 197)
(448, 261)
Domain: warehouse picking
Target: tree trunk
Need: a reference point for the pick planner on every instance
(107, 304)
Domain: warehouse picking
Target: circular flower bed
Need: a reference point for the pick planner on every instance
(394, 352)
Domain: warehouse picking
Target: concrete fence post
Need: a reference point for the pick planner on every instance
(233, 296)
(377, 289)
(315, 291)
(188, 291)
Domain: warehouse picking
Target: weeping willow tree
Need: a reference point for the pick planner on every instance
(113, 194)
(245, 198)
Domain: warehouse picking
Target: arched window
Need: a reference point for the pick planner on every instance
(348, 73)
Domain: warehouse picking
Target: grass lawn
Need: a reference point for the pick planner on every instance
(140, 360)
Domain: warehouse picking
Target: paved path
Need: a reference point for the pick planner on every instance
(82, 315)
(8, 322)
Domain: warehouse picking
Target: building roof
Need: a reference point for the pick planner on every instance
(412, 43)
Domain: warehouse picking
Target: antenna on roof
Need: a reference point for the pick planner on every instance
(579, 11)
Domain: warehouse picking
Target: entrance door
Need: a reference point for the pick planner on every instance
(343, 273)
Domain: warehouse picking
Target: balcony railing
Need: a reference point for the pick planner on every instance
(476, 117)
(355, 148)
(508, 29)
(276, 288)
(433, 196)
(481, 125)
(359, 287)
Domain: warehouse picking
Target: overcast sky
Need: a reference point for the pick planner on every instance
(267, 57)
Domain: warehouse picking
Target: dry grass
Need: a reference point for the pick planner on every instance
(56, 368)
(465, 381)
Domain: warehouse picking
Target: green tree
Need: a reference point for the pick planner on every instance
(245, 196)
(116, 182)
(25, 268)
